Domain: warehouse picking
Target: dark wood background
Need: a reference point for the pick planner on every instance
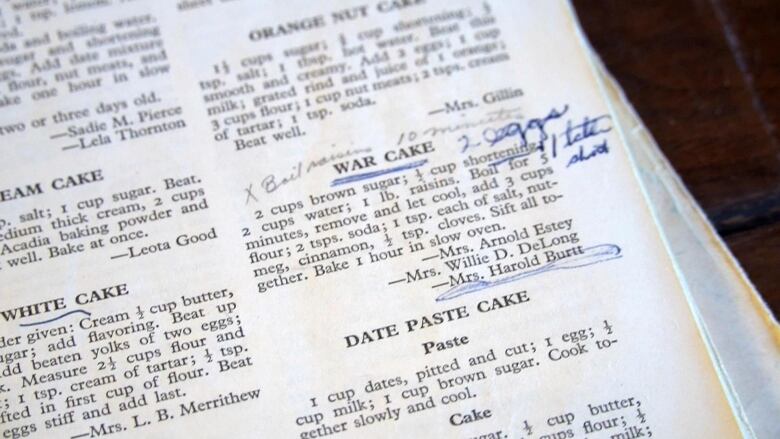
(704, 76)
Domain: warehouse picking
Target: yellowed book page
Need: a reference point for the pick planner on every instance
(286, 219)
(742, 331)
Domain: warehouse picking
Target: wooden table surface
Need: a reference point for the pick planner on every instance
(704, 76)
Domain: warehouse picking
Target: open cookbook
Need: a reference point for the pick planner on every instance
(385, 219)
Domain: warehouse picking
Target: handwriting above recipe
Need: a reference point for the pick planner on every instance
(393, 219)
